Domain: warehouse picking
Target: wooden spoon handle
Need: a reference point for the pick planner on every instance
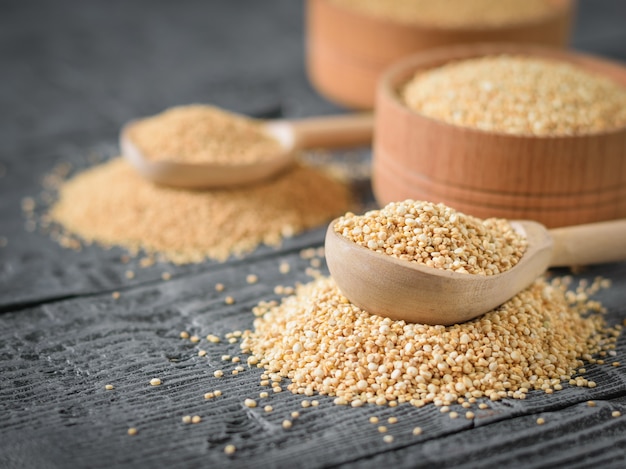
(333, 131)
(593, 243)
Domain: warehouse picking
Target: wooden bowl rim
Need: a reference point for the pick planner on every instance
(400, 71)
(560, 9)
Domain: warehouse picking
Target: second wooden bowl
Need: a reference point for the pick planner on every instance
(347, 51)
(556, 180)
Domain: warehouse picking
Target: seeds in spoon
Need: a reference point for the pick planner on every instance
(203, 134)
(436, 236)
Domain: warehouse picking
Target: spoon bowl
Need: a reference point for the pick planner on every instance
(321, 132)
(402, 290)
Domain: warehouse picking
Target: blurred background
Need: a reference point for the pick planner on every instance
(71, 69)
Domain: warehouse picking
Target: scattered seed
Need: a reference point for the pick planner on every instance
(209, 395)
(155, 382)
(591, 404)
(116, 295)
(129, 274)
(196, 419)
(184, 334)
(132, 431)
(219, 287)
(417, 431)
(388, 438)
(382, 429)
(202, 353)
(616, 413)
(295, 414)
(251, 278)
(249, 403)
(287, 424)
(217, 393)
(230, 449)
(229, 300)
(109, 387)
(186, 419)
(194, 339)
(540, 421)
(392, 420)
(284, 268)
(268, 408)
(145, 262)
(218, 373)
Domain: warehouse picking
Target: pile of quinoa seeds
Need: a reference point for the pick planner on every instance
(203, 134)
(535, 341)
(437, 236)
(453, 13)
(111, 205)
(518, 95)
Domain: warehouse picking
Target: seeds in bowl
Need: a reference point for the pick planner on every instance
(203, 134)
(437, 236)
(519, 95)
(453, 13)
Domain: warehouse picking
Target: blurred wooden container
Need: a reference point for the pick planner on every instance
(347, 51)
(557, 180)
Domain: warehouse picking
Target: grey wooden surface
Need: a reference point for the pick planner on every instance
(71, 72)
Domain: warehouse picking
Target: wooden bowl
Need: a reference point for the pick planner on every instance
(558, 180)
(347, 51)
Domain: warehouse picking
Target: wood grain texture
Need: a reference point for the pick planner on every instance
(72, 73)
(558, 181)
(57, 358)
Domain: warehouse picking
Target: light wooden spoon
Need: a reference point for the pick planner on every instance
(319, 132)
(387, 286)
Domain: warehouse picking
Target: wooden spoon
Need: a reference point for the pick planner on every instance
(387, 286)
(320, 132)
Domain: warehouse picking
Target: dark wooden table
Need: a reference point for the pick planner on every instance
(71, 72)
